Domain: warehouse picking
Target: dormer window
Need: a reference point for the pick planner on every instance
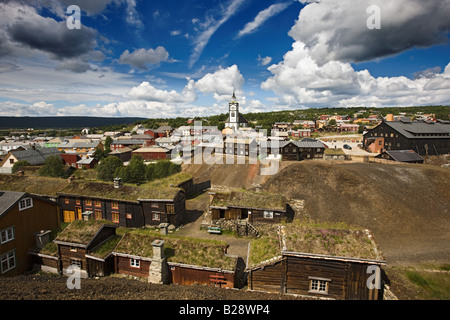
(25, 203)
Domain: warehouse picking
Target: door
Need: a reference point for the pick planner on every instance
(68, 215)
(79, 216)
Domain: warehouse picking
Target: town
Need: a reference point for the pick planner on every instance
(131, 203)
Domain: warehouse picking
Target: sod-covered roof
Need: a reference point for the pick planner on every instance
(81, 232)
(316, 239)
(189, 251)
(250, 200)
(53, 186)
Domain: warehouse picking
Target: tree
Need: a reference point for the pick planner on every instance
(19, 165)
(134, 172)
(53, 167)
(107, 168)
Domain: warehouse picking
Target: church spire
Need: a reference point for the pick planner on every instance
(233, 98)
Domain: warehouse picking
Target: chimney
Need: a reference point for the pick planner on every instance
(117, 183)
(164, 228)
(159, 270)
(390, 117)
(42, 238)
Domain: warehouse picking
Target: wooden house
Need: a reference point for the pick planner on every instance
(321, 263)
(262, 207)
(80, 243)
(124, 154)
(184, 261)
(126, 206)
(407, 156)
(293, 150)
(153, 153)
(423, 137)
(22, 217)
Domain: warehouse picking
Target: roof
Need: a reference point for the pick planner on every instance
(80, 144)
(151, 149)
(334, 152)
(403, 155)
(86, 161)
(52, 187)
(81, 232)
(121, 150)
(129, 141)
(251, 200)
(178, 250)
(313, 240)
(35, 156)
(8, 199)
(420, 129)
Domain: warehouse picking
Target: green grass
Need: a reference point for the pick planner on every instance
(433, 285)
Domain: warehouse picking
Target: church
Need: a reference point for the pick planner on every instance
(235, 120)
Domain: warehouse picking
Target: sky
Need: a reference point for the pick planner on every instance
(161, 59)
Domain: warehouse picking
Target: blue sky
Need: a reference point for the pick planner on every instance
(184, 58)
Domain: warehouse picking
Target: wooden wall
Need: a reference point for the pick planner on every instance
(189, 276)
(292, 275)
(122, 265)
(42, 216)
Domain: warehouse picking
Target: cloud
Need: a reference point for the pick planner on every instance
(261, 18)
(337, 29)
(299, 80)
(132, 14)
(145, 91)
(263, 61)
(222, 83)
(141, 58)
(211, 26)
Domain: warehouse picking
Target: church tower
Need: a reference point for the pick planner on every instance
(235, 119)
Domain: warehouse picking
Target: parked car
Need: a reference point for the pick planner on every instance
(346, 146)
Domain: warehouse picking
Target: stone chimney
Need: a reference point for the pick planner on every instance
(117, 183)
(159, 270)
(164, 228)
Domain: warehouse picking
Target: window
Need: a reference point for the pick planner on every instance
(98, 214)
(319, 285)
(115, 217)
(75, 263)
(268, 214)
(97, 203)
(11, 161)
(78, 201)
(156, 216)
(155, 205)
(135, 263)
(89, 202)
(129, 216)
(170, 208)
(8, 261)
(73, 249)
(114, 205)
(66, 200)
(25, 203)
(7, 235)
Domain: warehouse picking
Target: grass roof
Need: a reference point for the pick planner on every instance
(81, 232)
(251, 200)
(326, 239)
(173, 180)
(190, 251)
(52, 186)
(334, 152)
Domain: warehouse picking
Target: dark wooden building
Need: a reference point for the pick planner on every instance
(316, 275)
(22, 217)
(185, 261)
(423, 137)
(262, 207)
(293, 150)
(78, 244)
(339, 264)
(126, 206)
(407, 156)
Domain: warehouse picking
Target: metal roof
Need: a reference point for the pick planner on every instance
(421, 129)
(9, 199)
(35, 156)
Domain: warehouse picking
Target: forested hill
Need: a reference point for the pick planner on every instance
(62, 122)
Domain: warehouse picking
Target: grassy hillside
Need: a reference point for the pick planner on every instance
(405, 206)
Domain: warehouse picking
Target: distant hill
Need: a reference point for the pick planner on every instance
(62, 122)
